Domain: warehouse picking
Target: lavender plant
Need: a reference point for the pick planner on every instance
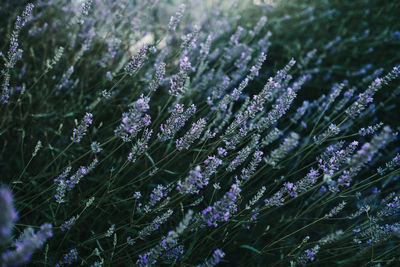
(233, 133)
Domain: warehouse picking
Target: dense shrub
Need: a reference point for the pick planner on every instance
(210, 132)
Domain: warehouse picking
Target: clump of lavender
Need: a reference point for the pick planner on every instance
(222, 132)
(82, 128)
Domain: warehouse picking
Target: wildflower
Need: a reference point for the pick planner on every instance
(136, 61)
(37, 148)
(134, 120)
(175, 122)
(65, 82)
(256, 68)
(331, 160)
(8, 215)
(370, 129)
(26, 245)
(69, 258)
(159, 75)
(175, 20)
(193, 134)
(192, 184)
(367, 96)
(391, 165)
(223, 209)
(256, 198)
(279, 153)
(240, 158)
(155, 224)
(190, 39)
(64, 185)
(85, 7)
(278, 110)
(365, 155)
(234, 39)
(14, 54)
(334, 211)
(205, 48)
(178, 80)
(331, 131)
(81, 130)
(260, 24)
(157, 194)
(96, 148)
(110, 231)
(141, 146)
(68, 224)
(251, 168)
(214, 260)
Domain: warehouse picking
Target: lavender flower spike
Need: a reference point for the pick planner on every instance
(214, 260)
(8, 215)
(81, 130)
(193, 134)
(134, 120)
(223, 209)
(26, 245)
(136, 62)
(175, 122)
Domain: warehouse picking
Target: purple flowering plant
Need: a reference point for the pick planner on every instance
(203, 133)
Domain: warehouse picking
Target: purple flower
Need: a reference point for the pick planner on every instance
(223, 209)
(26, 245)
(79, 132)
(175, 122)
(214, 260)
(136, 61)
(134, 120)
(8, 215)
(193, 134)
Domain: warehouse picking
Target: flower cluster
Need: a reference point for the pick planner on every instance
(140, 146)
(8, 215)
(64, 185)
(175, 122)
(82, 128)
(223, 209)
(134, 120)
(136, 61)
(193, 134)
